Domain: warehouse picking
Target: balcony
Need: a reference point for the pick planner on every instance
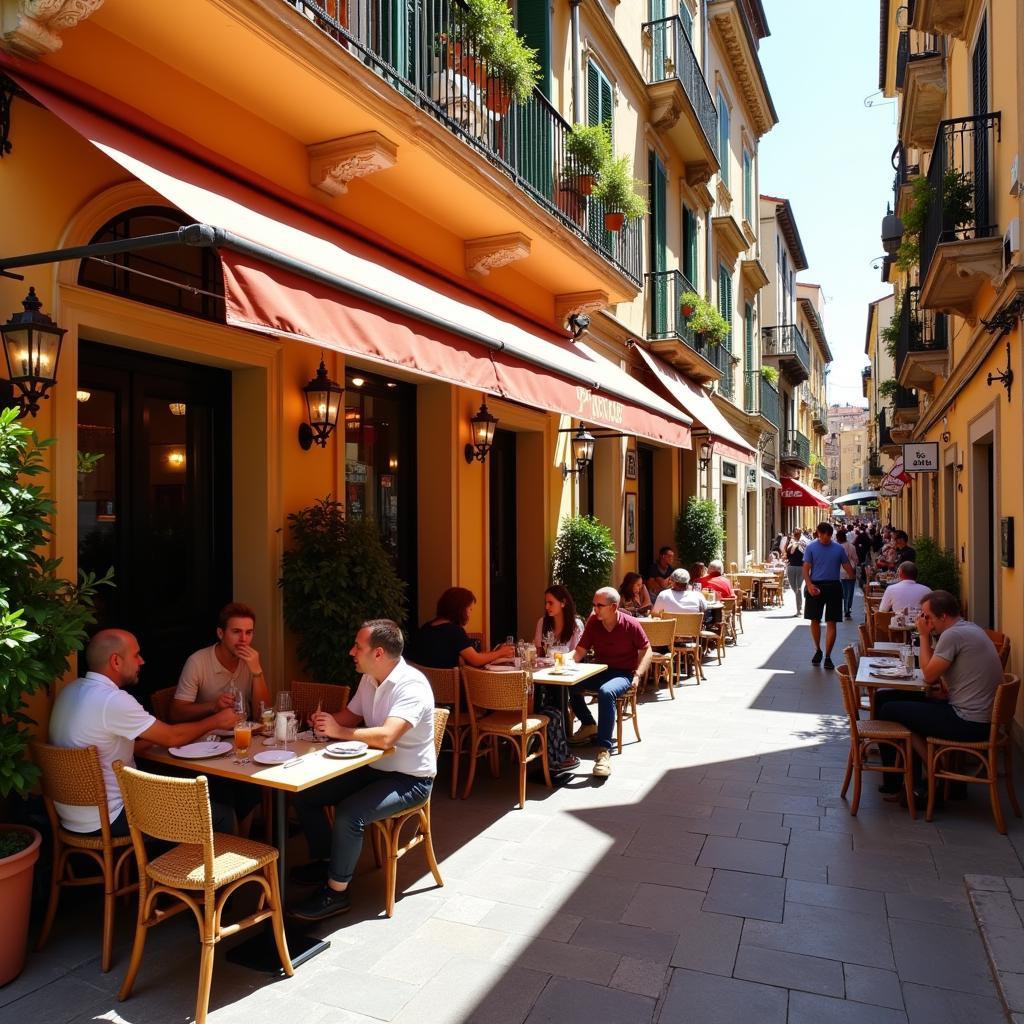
(787, 348)
(819, 475)
(865, 378)
(924, 89)
(761, 397)
(885, 438)
(874, 465)
(921, 346)
(948, 17)
(905, 408)
(905, 174)
(819, 417)
(961, 247)
(682, 109)
(670, 335)
(423, 54)
(796, 449)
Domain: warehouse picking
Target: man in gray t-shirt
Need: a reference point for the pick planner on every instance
(968, 663)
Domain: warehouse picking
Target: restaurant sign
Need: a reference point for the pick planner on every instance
(921, 457)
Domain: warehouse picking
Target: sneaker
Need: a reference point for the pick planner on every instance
(571, 762)
(828, 664)
(583, 735)
(603, 764)
(313, 874)
(816, 660)
(326, 902)
(848, 615)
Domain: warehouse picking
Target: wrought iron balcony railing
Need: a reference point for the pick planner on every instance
(796, 447)
(787, 341)
(874, 464)
(672, 57)
(666, 290)
(727, 382)
(905, 398)
(761, 396)
(914, 46)
(921, 330)
(884, 431)
(420, 49)
(962, 204)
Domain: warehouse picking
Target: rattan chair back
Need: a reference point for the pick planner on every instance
(440, 721)
(688, 625)
(71, 776)
(1004, 704)
(850, 702)
(330, 697)
(496, 691)
(880, 626)
(445, 682)
(174, 810)
(160, 701)
(850, 657)
(659, 631)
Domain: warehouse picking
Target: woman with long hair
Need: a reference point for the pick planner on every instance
(794, 554)
(635, 598)
(443, 641)
(559, 618)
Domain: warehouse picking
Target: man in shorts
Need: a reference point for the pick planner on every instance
(824, 560)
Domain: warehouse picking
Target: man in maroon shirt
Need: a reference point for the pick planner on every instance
(714, 580)
(619, 642)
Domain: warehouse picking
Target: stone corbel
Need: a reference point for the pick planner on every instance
(579, 302)
(486, 254)
(333, 164)
(31, 28)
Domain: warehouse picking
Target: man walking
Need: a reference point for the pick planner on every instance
(824, 561)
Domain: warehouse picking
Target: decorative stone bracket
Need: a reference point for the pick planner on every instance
(486, 254)
(31, 28)
(579, 302)
(333, 164)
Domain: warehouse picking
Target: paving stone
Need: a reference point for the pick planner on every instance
(790, 970)
(545, 924)
(746, 895)
(933, 911)
(767, 833)
(995, 910)
(1012, 986)
(929, 954)
(708, 942)
(646, 943)
(643, 977)
(661, 907)
(708, 999)
(742, 855)
(927, 1005)
(842, 898)
(567, 961)
(563, 1001)
(1006, 946)
(1016, 887)
(805, 1008)
(870, 985)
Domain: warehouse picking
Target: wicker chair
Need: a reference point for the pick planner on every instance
(201, 873)
(73, 777)
(745, 582)
(880, 626)
(387, 833)
(660, 633)
(687, 642)
(986, 753)
(865, 644)
(506, 696)
(307, 696)
(865, 694)
(161, 700)
(730, 617)
(1002, 645)
(869, 733)
(447, 686)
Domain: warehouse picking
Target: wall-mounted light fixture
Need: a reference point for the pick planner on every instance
(481, 429)
(176, 458)
(323, 403)
(32, 344)
(177, 408)
(82, 395)
(582, 445)
(578, 323)
(704, 453)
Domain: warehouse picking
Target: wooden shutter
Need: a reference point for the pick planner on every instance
(533, 19)
(725, 297)
(723, 138)
(658, 179)
(690, 246)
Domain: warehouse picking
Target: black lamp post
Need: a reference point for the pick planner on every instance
(481, 429)
(32, 343)
(582, 444)
(323, 404)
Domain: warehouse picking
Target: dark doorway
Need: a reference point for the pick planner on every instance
(646, 548)
(501, 468)
(154, 499)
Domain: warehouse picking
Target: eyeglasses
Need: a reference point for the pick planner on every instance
(596, 605)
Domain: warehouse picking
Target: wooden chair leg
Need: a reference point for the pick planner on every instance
(545, 759)
(390, 843)
(138, 945)
(847, 776)
(205, 979)
(456, 757)
(1008, 769)
(636, 720)
(997, 810)
(855, 805)
(428, 844)
(474, 751)
(908, 776)
(932, 767)
(620, 708)
(521, 749)
(109, 903)
(51, 906)
(277, 921)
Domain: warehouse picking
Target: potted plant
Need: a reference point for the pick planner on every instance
(583, 558)
(770, 374)
(703, 318)
(589, 147)
(43, 620)
(335, 576)
(699, 533)
(887, 390)
(936, 566)
(616, 188)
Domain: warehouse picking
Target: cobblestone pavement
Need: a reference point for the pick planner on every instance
(716, 876)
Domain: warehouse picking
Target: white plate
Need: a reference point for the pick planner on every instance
(274, 756)
(351, 748)
(885, 663)
(197, 751)
(893, 673)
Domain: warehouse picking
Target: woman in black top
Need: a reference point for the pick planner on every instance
(794, 554)
(442, 641)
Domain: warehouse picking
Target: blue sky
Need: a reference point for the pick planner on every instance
(830, 156)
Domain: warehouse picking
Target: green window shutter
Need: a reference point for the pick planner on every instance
(748, 337)
(533, 19)
(723, 137)
(725, 298)
(690, 246)
(748, 187)
(687, 19)
(599, 98)
(658, 179)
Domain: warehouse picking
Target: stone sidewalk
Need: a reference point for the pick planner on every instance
(716, 876)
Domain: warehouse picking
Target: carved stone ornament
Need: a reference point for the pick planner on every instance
(31, 28)
(579, 302)
(333, 164)
(486, 254)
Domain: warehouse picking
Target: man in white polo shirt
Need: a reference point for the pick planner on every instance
(906, 592)
(95, 711)
(393, 707)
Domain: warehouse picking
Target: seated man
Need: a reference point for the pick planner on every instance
(660, 570)
(906, 592)
(393, 707)
(96, 711)
(211, 673)
(963, 669)
(679, 597)
(619, 642)
(715, 580)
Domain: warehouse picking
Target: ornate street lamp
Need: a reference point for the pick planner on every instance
(32, 343)
(481, 429)
(582, 445)
(323, 403)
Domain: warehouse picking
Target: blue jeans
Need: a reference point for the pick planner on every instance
(610, 684)
(359, 798)
(849, 586)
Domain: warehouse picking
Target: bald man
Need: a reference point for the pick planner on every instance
(96, 711)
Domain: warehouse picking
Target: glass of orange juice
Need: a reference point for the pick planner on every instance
(243, 740)
(559, 659)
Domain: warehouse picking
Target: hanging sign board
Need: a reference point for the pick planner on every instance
(921, 457)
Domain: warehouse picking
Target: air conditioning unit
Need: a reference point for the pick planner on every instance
(1011, 243)
(1015, 176)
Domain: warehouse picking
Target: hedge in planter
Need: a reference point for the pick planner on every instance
(936, 566)
(336, 575)
(583, 558)
(699, 533)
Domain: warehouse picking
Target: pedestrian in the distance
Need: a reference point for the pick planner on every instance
(794, 555)
(824, 562)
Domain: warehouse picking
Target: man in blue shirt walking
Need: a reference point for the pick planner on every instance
(823, 562)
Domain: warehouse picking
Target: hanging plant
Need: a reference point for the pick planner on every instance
(589, 148)
(704, 318)
(616, 188)
(487, 28)
(770, 374)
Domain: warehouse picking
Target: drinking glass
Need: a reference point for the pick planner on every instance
(510, 641)
(267, 718)
(243, 740)
(284, 701)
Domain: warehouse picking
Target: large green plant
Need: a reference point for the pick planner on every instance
(583, 559)
(705, 318)
(489, 30)
(770, 374)
(699, 533)
(43, 618)
(957, 210)
(936, 566)
(590, 146)
(336, 575)
(616, 188)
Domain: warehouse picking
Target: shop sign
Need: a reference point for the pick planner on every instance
(921, 457)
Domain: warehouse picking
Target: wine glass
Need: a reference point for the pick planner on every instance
(283, 702)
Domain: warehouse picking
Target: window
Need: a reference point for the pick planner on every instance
(690, 246)
(723, 137)
(748, 186)
(725, 299)
(600, 105)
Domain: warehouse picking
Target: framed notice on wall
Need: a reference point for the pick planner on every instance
(630, 531)
(630, 463)
(1006, 541)
(921, 457)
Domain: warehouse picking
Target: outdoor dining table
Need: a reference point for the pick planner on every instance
(865, 677)
(309, 768)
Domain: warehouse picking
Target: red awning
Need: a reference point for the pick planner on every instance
(695, 401)
(288, 273)
(795, 494)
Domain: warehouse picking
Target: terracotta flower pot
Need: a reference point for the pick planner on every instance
(614, 221)
(467, 65)
(585, 183)
(499, 97)
(688, 311)
(15, 898)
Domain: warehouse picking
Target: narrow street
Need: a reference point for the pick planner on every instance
(716, 876)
